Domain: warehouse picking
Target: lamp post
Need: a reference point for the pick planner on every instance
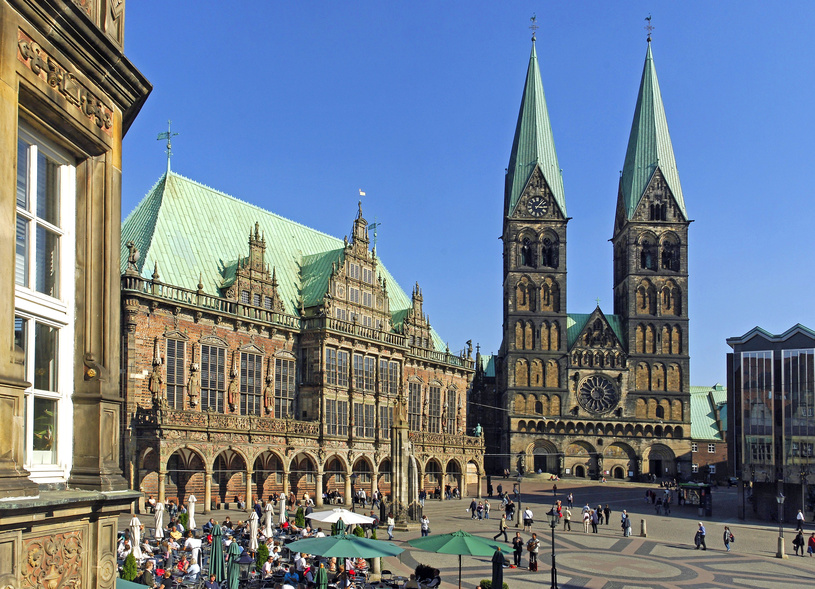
(353, 491)
(780, 499)
(804, 475)
(518, 506)
(553, 521)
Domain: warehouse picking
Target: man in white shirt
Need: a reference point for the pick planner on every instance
(527, 520)
(320, 533)
(193, 546)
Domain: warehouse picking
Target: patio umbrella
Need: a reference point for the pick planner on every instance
(233, 568)
(159, 533)
(345, 546)
(339, 527)
(191, 512)
(498, 569)
(267, 520)
(322, 577)
(253, 532)
(331, 516)
(282, 510)
(460, 543)
(216, 556)
(135, 539)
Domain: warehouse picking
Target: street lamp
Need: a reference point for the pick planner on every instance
(553, 521)
(353, 491)
(518, 497)
(780, 499)
(804, 475)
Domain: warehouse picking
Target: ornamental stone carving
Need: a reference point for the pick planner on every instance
(597, 394)
(53, 562)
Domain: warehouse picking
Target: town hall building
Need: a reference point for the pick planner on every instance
(593, 394)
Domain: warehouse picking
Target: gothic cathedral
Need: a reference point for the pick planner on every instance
(592, 394)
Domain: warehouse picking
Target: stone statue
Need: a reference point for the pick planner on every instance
(401, 410)
(232, 394)
(460, 424)
(156, 382)
(477, 431)
(194, 386)
(425, 414)
(444, 417)
(268, 396)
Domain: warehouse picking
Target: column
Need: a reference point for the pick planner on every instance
(207, 491)
(286, 483)
(478, 492)
(374, 481)
(249, 503)
(318, 499)
(348, 498)
(162, 477)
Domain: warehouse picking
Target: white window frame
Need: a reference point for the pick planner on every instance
(711, 468)
(694, 447)
(694, 468)
(59, 313)
(711, 448)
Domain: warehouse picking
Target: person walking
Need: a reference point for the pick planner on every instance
(607, 512)
(391, 522)
(799, 542)
(799, 521)
(502, 528)
(480, 510)
(527, 516)
(700, 537)
(487, 509)
(625, 523)
(728, 538)
(473, 508)
(533, 546)
(569, 500)
(595, 519)
(586, 521)
(425, 525)
(517, 548)
(811, 544)
(567, 519)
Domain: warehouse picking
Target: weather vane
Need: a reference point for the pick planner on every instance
(168, 135)
(373, 227)
(534, 26)
(648, 27)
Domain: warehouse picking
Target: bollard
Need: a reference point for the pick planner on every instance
(643, 529)
(376, 569)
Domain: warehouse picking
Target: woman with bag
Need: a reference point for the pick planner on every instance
(799, 542)
(728, 538)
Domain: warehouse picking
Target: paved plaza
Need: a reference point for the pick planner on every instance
(665, 558)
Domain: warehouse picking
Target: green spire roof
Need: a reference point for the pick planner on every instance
(649, 145)
(533, 143)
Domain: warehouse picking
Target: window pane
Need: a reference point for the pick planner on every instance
(47, 189)
(22, 174)
(20, 334)
(45, 431)
(47, 262)
(45, 358)
(21, 252)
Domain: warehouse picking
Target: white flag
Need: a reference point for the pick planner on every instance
(361, 193)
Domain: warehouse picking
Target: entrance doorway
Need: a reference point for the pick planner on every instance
(579, 471)
(656, 467)
(618, 472)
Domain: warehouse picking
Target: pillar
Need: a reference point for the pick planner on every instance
(348, 498)
(162, 477)
(286, 482)
(249, 503)
(374, 481)
(478, 492)
(207, 491)
(318, 492)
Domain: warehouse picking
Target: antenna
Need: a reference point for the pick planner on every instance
(648, 27)
(534, 26)
(168, 135)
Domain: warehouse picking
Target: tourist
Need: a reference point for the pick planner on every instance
(728, 538)
(147, 577)
(391, 523)
(607, 513)
(700, 537)
(586, 521)
(533, 546)
(480, 510)
(151, 504)
(412, 582)
(567, 519)
(527, 520)
(167, 581)
(811, 544)
(799, 521)
(502, 529)
(799, 542)
(212, 583)
(425, 526)
(473, 509)
(486, 509)
(625, 523)
(595, 519)
(569, 500)
(518, 548)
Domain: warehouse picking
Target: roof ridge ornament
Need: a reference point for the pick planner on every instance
(649, 27)
(168, 135)
(534, 26)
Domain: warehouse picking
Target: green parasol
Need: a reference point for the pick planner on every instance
(233, 568)
(216, 557)
(339, 526)
(345, 546)
(322, 578)
(460, 543)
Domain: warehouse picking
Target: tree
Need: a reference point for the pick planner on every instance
(130, 570)
(262, 556)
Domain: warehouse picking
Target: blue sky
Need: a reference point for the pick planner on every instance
(295, 106)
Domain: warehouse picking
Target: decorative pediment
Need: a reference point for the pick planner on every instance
(249, 280)
(598, 333)
(251, 348)
(213, 340)
(285, 354)
(175, 334)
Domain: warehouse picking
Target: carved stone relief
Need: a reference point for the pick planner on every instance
(53, 562)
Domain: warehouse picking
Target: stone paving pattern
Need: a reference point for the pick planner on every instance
(666, 558)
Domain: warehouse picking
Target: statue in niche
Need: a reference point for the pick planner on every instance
(425, 413)
(444, 417)
(268, 396)
(232, 393)
(460, 424)
(194, 386)
(156, 382)
(401, 410)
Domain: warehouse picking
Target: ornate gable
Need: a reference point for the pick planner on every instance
(537, 201)
(253, 284)
(597, 345)
(416, 325)
(658, 202)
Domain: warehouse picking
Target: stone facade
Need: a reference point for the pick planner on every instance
(68, 97)
(234, 396)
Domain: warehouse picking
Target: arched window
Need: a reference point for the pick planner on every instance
(648, 255)
(549, 252)
(670, 255)
(660, 412)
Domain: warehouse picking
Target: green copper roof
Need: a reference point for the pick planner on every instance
(533, 143)
(649, 144)
(488, 365)
(575, 322)
(191, 230)
(703, 404)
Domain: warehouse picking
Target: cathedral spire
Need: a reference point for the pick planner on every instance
(649, 145)
(533, 144)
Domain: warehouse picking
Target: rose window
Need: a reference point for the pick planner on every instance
(597, 395)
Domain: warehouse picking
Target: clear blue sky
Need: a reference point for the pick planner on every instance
(295, 106)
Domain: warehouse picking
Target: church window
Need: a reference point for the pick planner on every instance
(519, 335)
(284, 387)
(527, 253)
(648, 256)
(670, 256)
(674, 379)
(659, 212)
(434, 411)
(660, 413)
(175, 373)
(521, 373)
(251, 383)
(554, 336)
(550, 296)
(213, 381)
(536, 374)
(640, 411)
(549, 253)
(414, 406)
(529, 341)
(544, 336)
(552, 375)
(643, 377)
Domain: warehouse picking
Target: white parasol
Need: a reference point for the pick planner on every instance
(348, 517)
(253, 531)
(282, 509)
(135, 538)
(191, 512)
(159, 533)
(267, 520)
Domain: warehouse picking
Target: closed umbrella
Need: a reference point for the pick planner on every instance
(345, 546)
(498, 569)
(159, 533)
(322, 577)
(282, 510)
(216, 556)
(460, 543)
(233, 568)
(191, 512)
(333, 515)
(135, 538)
(267, 520)
(253, 532)
(339, 527)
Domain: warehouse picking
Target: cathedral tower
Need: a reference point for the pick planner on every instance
(651, 261)
(534, 240)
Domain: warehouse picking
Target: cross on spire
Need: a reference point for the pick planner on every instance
(649, 27)
(598, 301)
(534, 26)
(168, 135)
